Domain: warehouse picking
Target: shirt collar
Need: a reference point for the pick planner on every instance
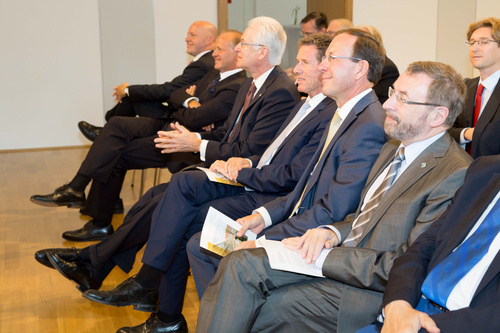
(261, 79)
(200, 55)
(415, 149)
(491, 81)
(313, 102)
(347, 107)
(226, 74)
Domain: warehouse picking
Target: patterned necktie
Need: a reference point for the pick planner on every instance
(269, 153)
(248, 98)
(364, 216)
(477, 110)
(334, 126)
(212, 84)
(443, 278)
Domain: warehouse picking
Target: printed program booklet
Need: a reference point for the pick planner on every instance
(219, 233)
(218, 177)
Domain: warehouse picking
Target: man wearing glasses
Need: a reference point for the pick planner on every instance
(410, 185)
(478, 127)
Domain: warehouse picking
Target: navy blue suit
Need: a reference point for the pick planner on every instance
(486, 137)
(333, 190)
(182, 209)
(482, 183)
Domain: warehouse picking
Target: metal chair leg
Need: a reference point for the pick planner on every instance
(143, 181)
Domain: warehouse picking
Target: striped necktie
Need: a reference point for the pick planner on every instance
(364, 216)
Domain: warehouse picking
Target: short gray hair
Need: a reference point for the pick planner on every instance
(271, 34)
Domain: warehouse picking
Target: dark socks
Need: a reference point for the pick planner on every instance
(149, 277)
(79, 183)
(98, 274)
(167, 318)
(100, 224)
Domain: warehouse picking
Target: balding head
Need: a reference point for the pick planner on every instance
(201, 37)
(339, 24)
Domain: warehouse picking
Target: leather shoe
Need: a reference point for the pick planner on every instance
(129, 292)
(155, 325)
(78, 272)
(89, 232)
(67, 254)
(89, 131)
(62, 196)
(118, 208)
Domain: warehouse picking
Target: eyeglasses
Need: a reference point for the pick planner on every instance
(393, 92)
(330, 57)
(243, 43)
(481, 42)
(305, 34)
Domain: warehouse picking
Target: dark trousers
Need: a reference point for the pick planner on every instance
(124, 143)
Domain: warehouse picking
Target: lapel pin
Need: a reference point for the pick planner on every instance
(423, 165)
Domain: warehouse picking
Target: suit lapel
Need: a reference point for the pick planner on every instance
(313, 113)
(424, 163)
(488, 113)
(351, 117)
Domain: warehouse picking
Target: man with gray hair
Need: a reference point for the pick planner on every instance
(409, 187)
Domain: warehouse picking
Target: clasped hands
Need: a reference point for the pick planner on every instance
(231, 168)
(178, 140)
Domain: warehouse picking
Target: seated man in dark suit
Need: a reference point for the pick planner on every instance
(127, 143)
(478, 127)
(181, 212)
(409, 187)
(147, 100)
(429, 289)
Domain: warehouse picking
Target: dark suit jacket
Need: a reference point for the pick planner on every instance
(417, 198)
(389, 75)
(336, 184)
(482, 183)
(216, 101)
(486, 138)
(293, 155)
(265, 114)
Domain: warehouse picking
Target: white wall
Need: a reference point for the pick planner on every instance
(426, 29)
(50, 71)
(51, 67)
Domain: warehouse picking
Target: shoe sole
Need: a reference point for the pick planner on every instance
(95, 238)
(74, 204)
(56, 267)
(138, 307)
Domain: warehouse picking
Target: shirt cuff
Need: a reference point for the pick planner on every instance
(463, 140)
(249, 161)
(265, 215)
(321, 258)
(186, 102)
(203, 148)
(332, 228)
(126, 91)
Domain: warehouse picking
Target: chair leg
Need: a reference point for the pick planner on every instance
(133, 178)
(143, 181)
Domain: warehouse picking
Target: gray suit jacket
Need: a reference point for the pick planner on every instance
(417, 198)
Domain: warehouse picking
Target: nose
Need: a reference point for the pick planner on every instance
(390, 103)
(323, 65)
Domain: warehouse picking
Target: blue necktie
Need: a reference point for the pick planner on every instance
(444, 277)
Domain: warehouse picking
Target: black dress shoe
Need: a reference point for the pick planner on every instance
(89, 131)
(129, 292)
(62, 196)
(155, 325)
(118, 208)
(89, 232)
(78, 272)
(67, 254)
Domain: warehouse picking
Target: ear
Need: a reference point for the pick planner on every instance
(263, 52)
(363, 68)
(438, 116)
